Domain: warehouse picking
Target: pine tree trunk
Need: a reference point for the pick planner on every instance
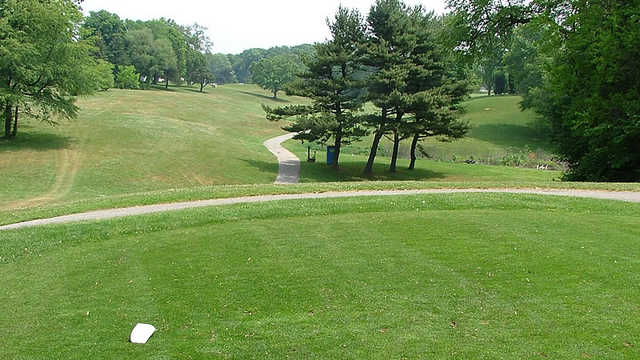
(7, 120)
(166, 84)
(338, 146)
(202, 86)
(14, 132)
(376, 142)
(396, 146)
(414, 145)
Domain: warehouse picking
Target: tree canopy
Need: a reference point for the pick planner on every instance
(42, 63)
(576, 62)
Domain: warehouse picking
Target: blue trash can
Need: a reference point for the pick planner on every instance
(331, 155)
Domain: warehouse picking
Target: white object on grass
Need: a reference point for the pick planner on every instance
(141, 333)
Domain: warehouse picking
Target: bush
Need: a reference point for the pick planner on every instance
(103, 75)
(127, 78)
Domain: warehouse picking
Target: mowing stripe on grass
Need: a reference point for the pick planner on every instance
(141, 210)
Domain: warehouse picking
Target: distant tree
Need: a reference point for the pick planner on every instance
(141, 50)
(165, 62)
(109, 34)
(199, 70)
(103, 75)
(221, 69)
(500, 82)
(242, 63)
(525, 60)
(274, 73)
(334, 83)
(43, 65)
(127, 78)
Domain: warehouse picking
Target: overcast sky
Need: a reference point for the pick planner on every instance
(237, 25)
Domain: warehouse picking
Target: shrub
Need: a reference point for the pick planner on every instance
(127, 78)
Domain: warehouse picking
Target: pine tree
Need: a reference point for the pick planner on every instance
(333, 81)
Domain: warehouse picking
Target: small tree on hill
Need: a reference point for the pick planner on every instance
(273, 73)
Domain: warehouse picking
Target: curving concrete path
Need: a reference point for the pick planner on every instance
(149, 209)
(288, 162)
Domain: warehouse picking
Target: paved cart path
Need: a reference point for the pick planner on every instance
(288, 162)
(149, 209)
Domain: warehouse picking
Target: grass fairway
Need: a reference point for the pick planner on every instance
(454, 276)
(135, 141)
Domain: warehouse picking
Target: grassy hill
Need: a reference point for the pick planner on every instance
(135, 142)
(440, 276)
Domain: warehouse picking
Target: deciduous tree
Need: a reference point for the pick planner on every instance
(43, 65)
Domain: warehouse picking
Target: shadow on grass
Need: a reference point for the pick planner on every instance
(35, 141)
(511, 135)
(353, 171)
(262, 96)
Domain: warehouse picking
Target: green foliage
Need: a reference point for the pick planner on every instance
(43, 65)
(220, 68)
(108, 32)
(274, 73)
(591, 95)
(500, 81)
(525, 60)
(127, 78)
(103, 75)
(575, 61)
(332, 82)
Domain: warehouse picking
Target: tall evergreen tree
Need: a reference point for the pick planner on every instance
(403, 53)
(334, 81)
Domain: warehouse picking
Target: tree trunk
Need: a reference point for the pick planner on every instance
(202, 86)
(7, 120)
(338, 146)
(14, 132)
(376, 142)
(414, 145)
(275, 94)
(166, 84)
(396, 146)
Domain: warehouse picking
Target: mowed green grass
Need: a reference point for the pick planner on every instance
(134, 141)
(464, 276)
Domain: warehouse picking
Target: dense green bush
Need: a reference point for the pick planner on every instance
(127, 78)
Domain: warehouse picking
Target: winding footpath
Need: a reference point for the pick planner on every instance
(288, 162)
(289, 170)
(150, 209)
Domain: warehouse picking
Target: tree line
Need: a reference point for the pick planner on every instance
(50, 54)
(395, 58)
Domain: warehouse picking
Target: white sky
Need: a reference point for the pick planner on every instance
(237, 25)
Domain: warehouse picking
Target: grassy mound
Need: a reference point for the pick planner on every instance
(455, 276)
